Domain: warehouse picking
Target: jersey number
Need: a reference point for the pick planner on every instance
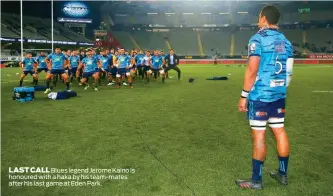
(278, 66)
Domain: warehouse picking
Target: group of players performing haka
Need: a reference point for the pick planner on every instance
(114, 65)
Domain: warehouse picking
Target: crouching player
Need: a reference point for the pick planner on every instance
(57, 66)
(90, 68)
(156, 65)
(41, 65)
(138, 62)
(164, 66)
(113, 69)
(74, 61)
(105, 61)
(264, 94)
(28, 66)
(146, 66)
(124, 63)
(133, 71)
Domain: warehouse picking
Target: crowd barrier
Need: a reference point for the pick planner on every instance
(244, 61)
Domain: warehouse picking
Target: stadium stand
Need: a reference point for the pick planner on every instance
(185, 42)
(37, 28)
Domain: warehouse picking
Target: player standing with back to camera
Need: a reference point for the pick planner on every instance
(263, 97)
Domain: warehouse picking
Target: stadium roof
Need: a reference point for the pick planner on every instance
(144, 7)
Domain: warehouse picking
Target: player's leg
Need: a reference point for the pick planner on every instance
(276, 123)
(123, 77)
(22, 77)
(156, 74)
(118, 77)
(79, 74)
(148, 74)
(96, 76)
(141, 72)
(55, 79)
(133, 73)
(166, 70)
(35, 76)
(176, 68)
(162, 72)
(112, 75)
(48, 78)
(38, 71)
(144, 72)
(258, 116)
(129, 78)
(65, 78)
(84, 80)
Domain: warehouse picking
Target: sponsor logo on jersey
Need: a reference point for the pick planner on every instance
(281, 110)
(261, 114)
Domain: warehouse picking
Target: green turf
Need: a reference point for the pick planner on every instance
(193, 129)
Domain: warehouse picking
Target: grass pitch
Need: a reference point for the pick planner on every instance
(181, 138)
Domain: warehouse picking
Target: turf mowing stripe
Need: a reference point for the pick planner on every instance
(322, 91)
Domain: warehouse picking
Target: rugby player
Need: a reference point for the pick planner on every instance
(114, 69)
(146, 63)
(138, 62)
(74, 61)
(264, 92)
(156, 65)
(28, 66)
(90, 68)
(41, 65)
(134, 66)
(57, 62)
(124, 63)
(164, 66)
(105, 60)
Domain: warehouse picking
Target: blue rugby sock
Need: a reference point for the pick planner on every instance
(67, 85)
(283, 165)
(257, 166)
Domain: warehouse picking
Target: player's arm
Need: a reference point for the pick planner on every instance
(289, 63)
(160, 63)
(99, 64)
(166, 60)
(129, 63)
(35, 66)
(151, 62)
(48, 61)
(133, 61)
(21, 64)
(177, 59)
(251, 72)
(163, 61)
(65, 62)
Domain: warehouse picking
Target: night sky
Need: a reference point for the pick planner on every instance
(42, 9)
(30, 8)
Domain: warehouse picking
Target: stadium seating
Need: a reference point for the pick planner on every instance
(37, 28)
(185, 42)
(216, 42)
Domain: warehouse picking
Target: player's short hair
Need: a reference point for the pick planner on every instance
(172, 49)
(271, 13)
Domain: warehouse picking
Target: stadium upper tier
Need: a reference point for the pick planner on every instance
(189, 42)
(37, 28)
(201, 19)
